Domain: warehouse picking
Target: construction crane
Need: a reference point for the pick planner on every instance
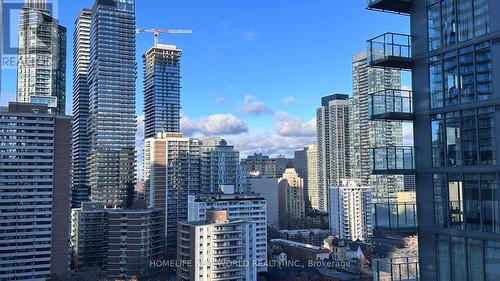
(157, 31)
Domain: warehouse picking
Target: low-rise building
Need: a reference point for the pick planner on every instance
(301, 251)
(121, 243)
(312, 236)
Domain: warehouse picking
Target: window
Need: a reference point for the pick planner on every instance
(455, 201)
(443, 260)
(451, 81)
(476, 259)
(465, 20)
(453, 146)
(452, 21)
(492, 260)
(486, 125)
(472, 203)
(461, 76)
(449, 22)
(434, 24)
(437, 141)
(481, 17)
(440, 201)
(469, 137)
(436, 84)
(483, 74)
(489, 187)
(458, 259)
(466, 75)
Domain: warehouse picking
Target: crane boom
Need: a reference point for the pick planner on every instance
(157, 31)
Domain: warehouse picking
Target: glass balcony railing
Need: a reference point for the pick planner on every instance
(393, 160)
(395, 6)
(395, 216)
(396, 269)
(390, 50)
(391, 104)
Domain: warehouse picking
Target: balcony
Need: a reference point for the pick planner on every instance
(395, 217)
(392, 50)
(395, 6)
(391, 104)
(393, 160)
(396, 269)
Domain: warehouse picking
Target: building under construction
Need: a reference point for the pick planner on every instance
(162, 89)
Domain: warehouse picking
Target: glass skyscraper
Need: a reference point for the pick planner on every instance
(220, 165)
(112, 119)
(368, 134)
(162, 86)
(80, 135)
(41, 73)
(453, 52)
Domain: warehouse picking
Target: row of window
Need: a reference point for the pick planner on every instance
(467, 202)
(459, 259)
(461, 77)
(465, 138)
(452, 21)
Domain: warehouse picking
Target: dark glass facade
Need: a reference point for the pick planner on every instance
(455, 59)
(162, 90)
(112, 119)
(456, 119)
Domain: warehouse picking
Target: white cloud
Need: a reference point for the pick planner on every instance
(220, 100)
(216, 124)
(290, 126)
(251, 105)
(290, 100)
(249, 36)
(268, 143)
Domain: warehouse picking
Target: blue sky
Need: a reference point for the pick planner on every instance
(253, 71)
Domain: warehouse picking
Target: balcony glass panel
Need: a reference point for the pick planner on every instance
(390, 50)
(396, 269)
(395, 216)
(391, 104)
(393, 160)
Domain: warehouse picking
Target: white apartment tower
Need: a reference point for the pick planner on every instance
(249, 207)
(333, 136)
(350, 211)
(216, 249)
